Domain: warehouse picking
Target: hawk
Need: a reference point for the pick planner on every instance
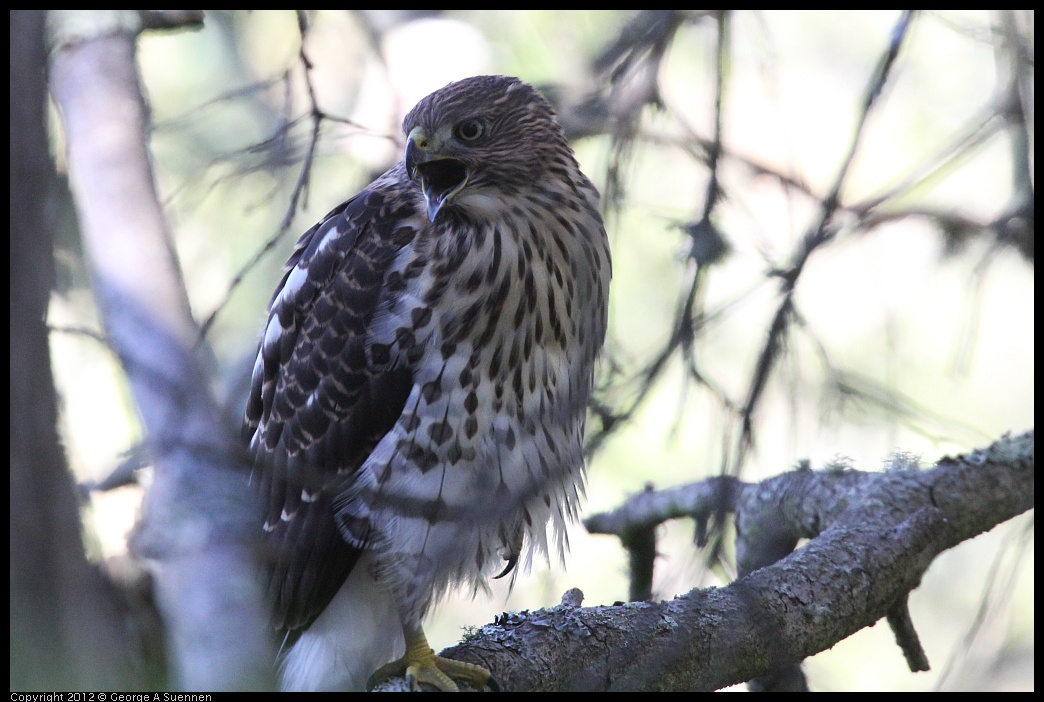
(417, 406)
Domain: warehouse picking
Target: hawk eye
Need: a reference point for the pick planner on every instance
(469, 130)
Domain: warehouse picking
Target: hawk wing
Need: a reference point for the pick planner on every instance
(316, 407)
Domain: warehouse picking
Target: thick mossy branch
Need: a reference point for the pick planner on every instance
(872, 536)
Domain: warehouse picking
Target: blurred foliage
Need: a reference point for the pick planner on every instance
(822, 226)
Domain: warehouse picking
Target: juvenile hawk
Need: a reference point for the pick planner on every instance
(417, 405)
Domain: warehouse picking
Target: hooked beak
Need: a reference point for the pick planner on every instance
(440, 177)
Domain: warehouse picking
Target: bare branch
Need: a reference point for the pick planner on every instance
(873, 535)
(197, 516)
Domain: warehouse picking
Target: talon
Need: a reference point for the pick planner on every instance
(420, 665)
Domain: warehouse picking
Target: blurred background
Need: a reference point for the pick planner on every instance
(715, 140)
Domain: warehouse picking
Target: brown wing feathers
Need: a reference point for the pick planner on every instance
(316, 409)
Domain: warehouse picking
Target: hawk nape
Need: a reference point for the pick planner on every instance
(417, 406)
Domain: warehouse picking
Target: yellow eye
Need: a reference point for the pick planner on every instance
(469, 130)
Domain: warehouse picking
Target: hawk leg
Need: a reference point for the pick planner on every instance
(421, 665)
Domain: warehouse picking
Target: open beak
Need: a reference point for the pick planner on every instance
(440, 177)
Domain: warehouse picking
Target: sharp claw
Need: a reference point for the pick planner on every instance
(420, 666)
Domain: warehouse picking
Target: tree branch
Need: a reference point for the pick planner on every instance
(197, 518)
(56, 642)
(873, 535)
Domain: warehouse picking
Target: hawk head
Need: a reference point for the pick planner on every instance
(482, 137)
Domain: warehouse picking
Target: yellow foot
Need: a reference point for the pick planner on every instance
(421, 665)
(425, 667)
